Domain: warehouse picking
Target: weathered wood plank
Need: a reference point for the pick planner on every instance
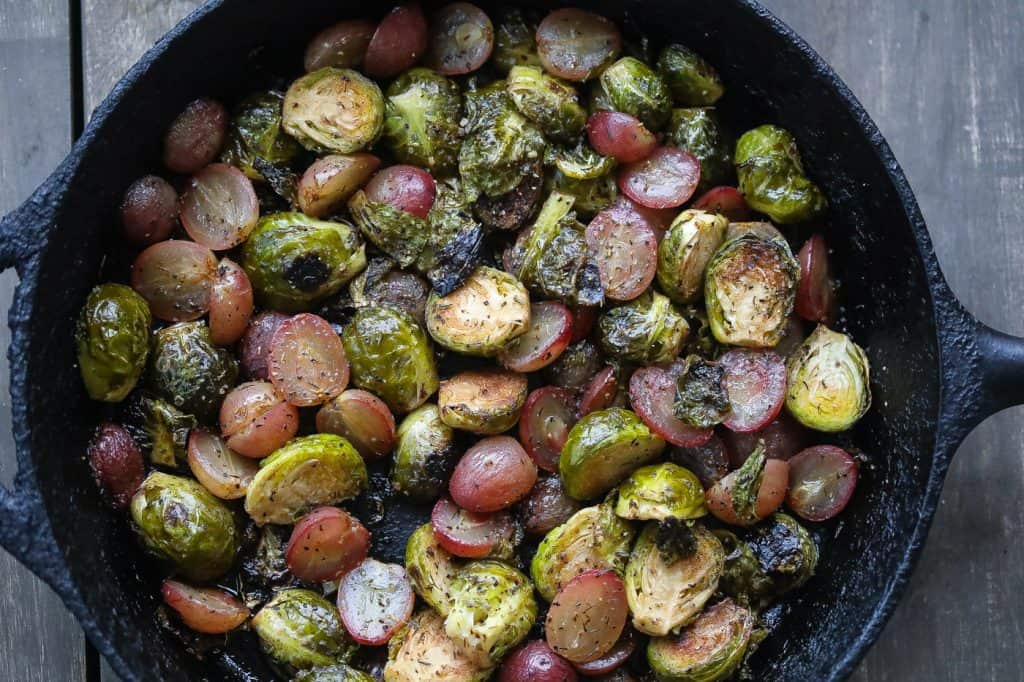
(40, 639)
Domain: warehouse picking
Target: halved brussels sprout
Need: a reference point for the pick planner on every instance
(300, 629)
(548, 102)
(425, 455)
(334, 110)
(591, 196)
(648, 330)
(581, 162)
(112, 336)
(594, 538)
(515, 43)
(490, 309)
(749, 290)
(180, 520)
(390, 356)
(709, 649)
(693, 82)
(636, 89)
(829, 381)
(492, 610)
(484, 105)
(772, 177)
(422, 651)
(770, 559)
(701, 132)
(661, 491)
(484, 402)
(603, 448)
(294, 261)
(496, 157)
(338, 672)
(398, 233)
(160, 428)
(701, 398)
(666, 587)
(307, 472)
(188, 371)
(431, 569)
(685, 251)
(456, 242)
(422, 122)
(256, 135)
(761, 230)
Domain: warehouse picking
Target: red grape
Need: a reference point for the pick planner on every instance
(400, 39)
(544, 425)
(536, 662)
(255, 421)
(176, 279)
(361, 418)
(219, 208)
(375, 599)
(254, 351)
(116, 464)
(816, 297)
(231, 303)
(725, 201)
(625, 248)
(821, 482)
(196, 136)
(621, 136)
(307, 361)
(665, 179)
(149, 210)
(587, 616)
(468, 534)
(224, 473)
(493, 474)
(574, 44)
(325, 544)
(652, 393)
(461, 39)
(407, 188)
(544, 340)
(756, 383)
(209, 610)
(330, 180)
(342, 45)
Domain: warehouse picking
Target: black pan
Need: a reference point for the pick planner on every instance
(937, 371)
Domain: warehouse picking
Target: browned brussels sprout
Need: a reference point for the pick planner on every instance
(693, 82)
(770, 559)
(256, 136)
(334, 110)
(483, 402)
(455, 244)
(490, 309)
(188, 371)
(422, 122)
(772, 177)
(634, 88)
(422, 651)
(708, 650)
(701, 132)
(590, 196)
(425, 455)
(647, 329)
(574, 368)
(500, 153)
(398, 233)
(113, 341)
(548, 102)
(512, 210)
(300, 629)
(159, 428)
(685, 251)
(701, 398)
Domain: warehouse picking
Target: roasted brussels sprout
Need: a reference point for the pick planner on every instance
(383, 283)
(693, 82)
(256, 135)
(580, 162)
(307, 472)
(685, 251)
(829, 381)
(339, 672)
(593, 538)
(661, 491)
(575, 368)
(160, 428)
(300, 629)
(390, 356)
(647, 330)
(701, 399)
(772, 558)
(425, 455)
(514, 41)
(294, 261)
(398, 233)
(188, 371)
(456, 240)
(590, 196)
(180, 520)
(334, 110)
(492, 610)
(666, 587)
(490, 309)
(549, 103)
(496, 157)
(422, 122)
(512, 210)
(772, 177)
(431, 569)
(484, 402)
(422, 651)
(484, 104)
(709, 649)
(701, 132)
(749, 290)
(112, 336)
(636, 89)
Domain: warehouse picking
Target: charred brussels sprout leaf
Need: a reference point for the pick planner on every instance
(422, 122)
(397, 233)
(514, 41)
(685, 251)
(390, 356)
(338, 672)
(455, 245)
(647, 330)
(497, 156)
(659, 492)
(709, 649)
(772, 558)
(549, 103)
(701, 399)
(747, 485)
(425, 455)
(701, 132)
(743, 578)
(300, 629)
(179, 520)
(334, 110)
(112, 336)
(422, 651)
(772, 177)
(581, 162)
(490, 309)
(749, 290)
(294, 261)
(431, 569)
(636, 89)
(256, 136)
(188, 371)
(512, 210)
(693, 82)
(829, 381)
(159, 428)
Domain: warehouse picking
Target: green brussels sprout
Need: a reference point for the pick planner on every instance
(181, 521)
(749, 290)
(338, 672)
(701, 399)
(701, 132)
(334, 110)
(422, 651)
(693, 82)
(112, 336)
(398, 233)
(551, 104)
(666, 588)
(772, 177)
(772, 558)
(636, 89)
(295, 261)
(648, 330)
(490, 309)
(256, 135)
(590, 196)
(425, 455)
(580, 162)
(160, 428)
(188, 371)
(603, 448)
(593, 538)
(758, 229)
(421, 126)
(431, 569)
(492, 610)
(659, 492)
(495, 158)
(684, 253)
(484, 402)
(455, 243)
(708, 650)
(300, 629)
(515, 42)
(484, 105)
(743, 578)
(307, 472)
(390, 356)
(829, 381)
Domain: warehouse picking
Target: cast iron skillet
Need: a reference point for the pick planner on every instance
(937, 371)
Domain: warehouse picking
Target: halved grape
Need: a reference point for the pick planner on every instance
(231, 303)
(493, 474)
(196, 136)
(468, 534)
(219, 207)
(375, 599)
(620, 136)
(600, 392)
(756, 383)
(342, 45)
(625, 249)
(407, 188)
(821, 482)
(176, 279)
(307, 361)
(536, 662)
(223, 472)
(116, 464)
(544, 426)
(652, 392)
(256, 421)
(544, 340)
(361, 418)
(329, 182)
(783, 437)
(583, 319)
(618, 655)
(547, 506)
(400, 39)
(727, 201)
(816, 296)
(770, 495)
(660, 219)
(665, 179)
(576, 44)
(209, 610)
(254, 351)
(325, 544)
(149, 210)
(461, 39)
(587, 616)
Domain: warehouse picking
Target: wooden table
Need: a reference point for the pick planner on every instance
(944, 80)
